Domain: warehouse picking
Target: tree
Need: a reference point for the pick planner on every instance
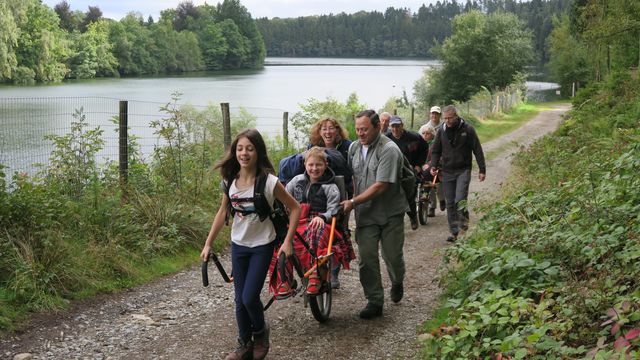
(94, 14)
(568, 56)
(9, 34)
(68, 19)
(483, 51)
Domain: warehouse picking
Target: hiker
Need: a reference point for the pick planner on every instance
(252, 235)
(415, 149)
(319, 198)
(384, 123)
(428, 133)
(454, 143)
(328, 132)
(380, 204)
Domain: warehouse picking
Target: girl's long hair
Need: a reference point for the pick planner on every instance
(229, 165)
(316, 140)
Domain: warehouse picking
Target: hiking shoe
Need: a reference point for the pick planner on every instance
(370, 311)
(414, 222)
(397, 290)
(431, 212)
(261, 343)
(452, 238)
(243, 352)
(443, 205)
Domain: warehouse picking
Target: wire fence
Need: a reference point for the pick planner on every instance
(26, 122)
(485, 103)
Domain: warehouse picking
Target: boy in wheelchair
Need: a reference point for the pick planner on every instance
(319, 197)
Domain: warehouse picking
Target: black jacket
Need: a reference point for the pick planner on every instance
(455, 150)
(413, 147)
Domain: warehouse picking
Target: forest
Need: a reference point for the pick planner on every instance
(40, 44)
(398, 32)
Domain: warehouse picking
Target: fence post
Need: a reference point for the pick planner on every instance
(413, 113)
(226, 125)
(123, 166)
(285, 129)
(395, 111)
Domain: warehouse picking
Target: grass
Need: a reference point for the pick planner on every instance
(500, 124)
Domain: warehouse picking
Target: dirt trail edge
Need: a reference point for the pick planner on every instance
(176, 318)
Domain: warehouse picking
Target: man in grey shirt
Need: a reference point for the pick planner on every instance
(380, 204)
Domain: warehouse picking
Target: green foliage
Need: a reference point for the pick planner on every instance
(551, 270)
(569, 57)
(396, 32)
(483, 51)
(315, 110)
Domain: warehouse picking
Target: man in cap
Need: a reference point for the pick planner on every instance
(415, 149)
(434, 122)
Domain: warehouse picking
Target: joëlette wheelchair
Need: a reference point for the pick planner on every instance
(320, 302)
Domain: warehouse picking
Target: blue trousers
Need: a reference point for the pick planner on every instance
(250, 268)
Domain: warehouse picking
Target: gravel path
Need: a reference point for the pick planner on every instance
(176, 318)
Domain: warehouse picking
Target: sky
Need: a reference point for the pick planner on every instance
(116, 9)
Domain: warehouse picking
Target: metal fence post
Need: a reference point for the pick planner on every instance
(226, 125)
(285, 129)
(123, 166)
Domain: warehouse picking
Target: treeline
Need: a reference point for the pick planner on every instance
(397, 32)
(40, 44)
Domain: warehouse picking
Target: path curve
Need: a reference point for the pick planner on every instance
(176, 318)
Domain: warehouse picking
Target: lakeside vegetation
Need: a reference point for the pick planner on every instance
(398, 32)
(40, 44)
(551, 270)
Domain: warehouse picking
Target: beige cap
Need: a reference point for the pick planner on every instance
(435, 109)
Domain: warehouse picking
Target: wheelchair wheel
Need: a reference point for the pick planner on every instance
(423, 207)
(320, 304)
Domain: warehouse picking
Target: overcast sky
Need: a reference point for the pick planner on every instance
(116, 9)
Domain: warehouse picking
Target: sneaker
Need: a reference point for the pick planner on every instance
(414, 222)
(432, 212)
(452, 238)
(243, 352)
(313, 287)
(261, 343)
(285, 291)
(397, 290)
(443, 205)
(371, 311)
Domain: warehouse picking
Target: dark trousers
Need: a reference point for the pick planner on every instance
(250, 268)
(456, 189)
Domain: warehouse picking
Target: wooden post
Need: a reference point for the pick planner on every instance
(413, 114)
(226, 125)
(285, 129)
(123, 140)
(395, 111)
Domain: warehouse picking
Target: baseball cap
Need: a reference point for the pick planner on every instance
(435, 109)
(395, 120)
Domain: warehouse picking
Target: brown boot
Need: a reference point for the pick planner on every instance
(261, 343)
(243, 352)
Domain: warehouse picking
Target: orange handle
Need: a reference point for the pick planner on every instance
(324, 260)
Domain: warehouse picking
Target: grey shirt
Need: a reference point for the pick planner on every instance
(383, 163)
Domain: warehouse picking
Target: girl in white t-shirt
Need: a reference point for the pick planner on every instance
(252, 240)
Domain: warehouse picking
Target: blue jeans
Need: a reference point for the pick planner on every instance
(250, 268)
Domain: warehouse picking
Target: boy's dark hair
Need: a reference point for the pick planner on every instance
(229, 166)
(372, 115)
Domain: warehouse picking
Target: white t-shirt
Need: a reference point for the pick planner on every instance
(248, 230)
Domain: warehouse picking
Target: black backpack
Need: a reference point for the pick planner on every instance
(276, 212)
